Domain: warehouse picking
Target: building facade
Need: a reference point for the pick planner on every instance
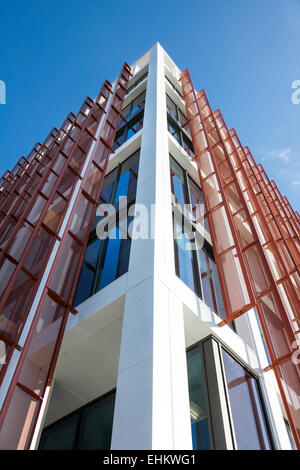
(138, 280)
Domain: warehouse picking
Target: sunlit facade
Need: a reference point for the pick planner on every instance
(133, 341)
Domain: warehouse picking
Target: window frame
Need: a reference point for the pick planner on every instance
(177, 212)
(256, 377)
(78, 411)
(183, 135)
(97, 270)
(217, 376)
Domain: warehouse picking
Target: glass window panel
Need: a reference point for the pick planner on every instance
(109, 263)
(107, 187)
(177, 182)
(197, 202)
(96, 425)
(122, 188)
(171, 107)
(210, 281)
(247, 412)
(181, 117)
(92, 252)
(84, 286)
(128, 179)
(60, 436)
(174, 131)
(137, 105)
(187, 145)
(198, 406)
(120, 139)
(124, 257)
(185, 260)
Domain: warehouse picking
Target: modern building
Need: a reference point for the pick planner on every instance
(177, 329)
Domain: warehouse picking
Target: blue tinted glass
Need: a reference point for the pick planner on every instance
(199, 420)
(122, 189)
(178, 189)
(177, 182)
(173, 131)
(132, 186)
(84, 286)
(131, 132)
(184, 259)
(110, 262)
(92, 252)
(124, 257)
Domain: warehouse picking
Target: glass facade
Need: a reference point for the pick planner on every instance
(131, 120)
(107, 259)
(195, 264)
(135, 83)
(88, 428)
(178, 127)
(198, 401)
(246, 406)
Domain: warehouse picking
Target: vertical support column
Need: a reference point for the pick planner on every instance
(152, 401)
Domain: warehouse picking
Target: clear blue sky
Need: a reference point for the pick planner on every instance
(245, 53)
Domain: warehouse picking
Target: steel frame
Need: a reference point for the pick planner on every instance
(268, 280)
(88, 195)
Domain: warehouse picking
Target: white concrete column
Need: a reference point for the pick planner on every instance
(152, 402)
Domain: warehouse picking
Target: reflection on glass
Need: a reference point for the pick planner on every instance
(177, 182)
(185, 259)
(210, 282)
(96, 424)
(291, 439)
(61, 436)
(198, 408)
(89, 428)
(106, 260)
(247, 412)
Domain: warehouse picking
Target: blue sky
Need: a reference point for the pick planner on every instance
(245, 53)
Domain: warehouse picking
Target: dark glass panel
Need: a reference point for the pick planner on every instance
(60, 436)
(96, 425)
(174, 131)
(109, 264)
(107, 187)
(84, 286)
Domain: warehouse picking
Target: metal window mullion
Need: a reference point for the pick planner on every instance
(221, 419)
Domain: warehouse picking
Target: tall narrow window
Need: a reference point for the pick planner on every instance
(198, 405)
(186, 263)
(131, 121)
(247, 410)
(210, 281)
(178, 126)
(107, 259)
(178, 182)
